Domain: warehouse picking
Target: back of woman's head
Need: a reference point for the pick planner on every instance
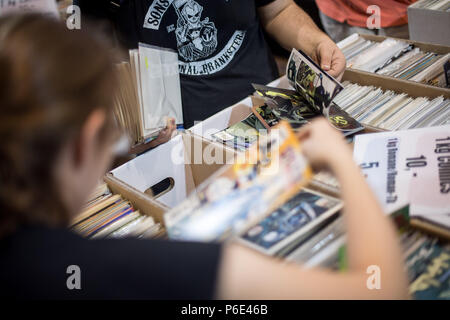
(51, 80)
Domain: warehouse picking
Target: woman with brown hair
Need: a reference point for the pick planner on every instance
(57, 134)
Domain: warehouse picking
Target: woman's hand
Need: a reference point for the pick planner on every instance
(323, 145)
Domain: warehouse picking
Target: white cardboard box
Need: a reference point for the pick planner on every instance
(187, 160)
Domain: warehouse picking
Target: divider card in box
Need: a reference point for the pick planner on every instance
(410, 166)
(236, 197)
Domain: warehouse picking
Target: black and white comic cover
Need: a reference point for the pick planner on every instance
(312, 82)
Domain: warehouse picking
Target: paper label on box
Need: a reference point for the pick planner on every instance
(408, 167)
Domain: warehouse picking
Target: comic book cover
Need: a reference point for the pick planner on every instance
(241, 135)
(312, 82)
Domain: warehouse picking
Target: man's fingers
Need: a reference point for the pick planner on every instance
(325, 55)
(338, 64)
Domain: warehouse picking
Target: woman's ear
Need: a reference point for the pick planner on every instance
(86, 144)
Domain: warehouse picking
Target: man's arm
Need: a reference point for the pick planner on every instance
(293, 28)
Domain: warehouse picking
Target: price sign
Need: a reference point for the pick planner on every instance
(408, 167)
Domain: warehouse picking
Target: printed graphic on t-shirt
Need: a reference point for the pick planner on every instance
(196, 37)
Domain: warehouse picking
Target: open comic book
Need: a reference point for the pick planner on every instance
(242, 194)
(288, 105)
(313, 96)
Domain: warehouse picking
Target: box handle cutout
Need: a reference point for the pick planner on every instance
(160, 188)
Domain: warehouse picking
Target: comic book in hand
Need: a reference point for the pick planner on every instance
(238, 196)
(289, 105)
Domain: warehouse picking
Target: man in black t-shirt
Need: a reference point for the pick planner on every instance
(220, 44)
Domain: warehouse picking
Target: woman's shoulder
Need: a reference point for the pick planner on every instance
(46, 258)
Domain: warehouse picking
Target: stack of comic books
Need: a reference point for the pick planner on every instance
(395, 58)
(390, 110)
(108, 215)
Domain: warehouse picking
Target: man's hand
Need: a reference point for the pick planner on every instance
(330, 58)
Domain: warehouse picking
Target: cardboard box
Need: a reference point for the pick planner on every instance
(187, 160)
(243, 109)
(137, 176)
(140, 201)
(413, 89)
(428, 25)
(423, 45)
(240, 111)
(426, 47)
